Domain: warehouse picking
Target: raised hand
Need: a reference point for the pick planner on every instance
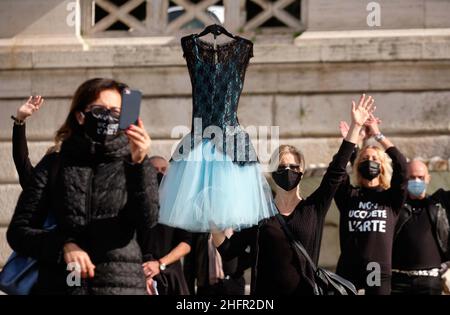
(363, 134)
(32, 105)
(372, 125)
(361, 112)
(372, 119)
(343, 127)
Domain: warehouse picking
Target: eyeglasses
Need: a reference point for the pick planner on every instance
(99, 110)
(292, 167)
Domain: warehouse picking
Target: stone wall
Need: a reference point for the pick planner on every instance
(394, 14)
(304, 85)
(43, 17)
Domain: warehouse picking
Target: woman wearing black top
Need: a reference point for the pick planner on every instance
(368, 214)
(103, 198)
(167, 246)
(275, 268)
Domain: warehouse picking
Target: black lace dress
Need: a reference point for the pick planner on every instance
(215, 180)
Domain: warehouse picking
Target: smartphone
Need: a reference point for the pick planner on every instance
(131, 105)
(155, 287)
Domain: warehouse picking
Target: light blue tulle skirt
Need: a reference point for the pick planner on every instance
(212, 192)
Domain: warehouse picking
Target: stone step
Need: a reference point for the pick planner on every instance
(9, 194)
(300, 115)
(318, 151)
(56, 52)
(295, 78)
(398, 14)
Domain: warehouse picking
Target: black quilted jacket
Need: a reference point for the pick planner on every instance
(101, 202)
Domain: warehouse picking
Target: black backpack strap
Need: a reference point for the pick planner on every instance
(324, 280)
(298, 247)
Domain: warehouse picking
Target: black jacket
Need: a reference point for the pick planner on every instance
(20, 155)
(438, 212)
(102, 202)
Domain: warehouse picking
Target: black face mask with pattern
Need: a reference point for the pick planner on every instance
(287, 178)
(100, 125)
(369, 169)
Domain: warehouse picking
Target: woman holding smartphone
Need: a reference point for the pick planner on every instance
(104, 200)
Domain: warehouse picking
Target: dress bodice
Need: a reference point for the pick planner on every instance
(217, 77)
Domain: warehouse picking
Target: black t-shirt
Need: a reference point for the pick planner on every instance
(366, 230)
(367, 222)
(415, 247)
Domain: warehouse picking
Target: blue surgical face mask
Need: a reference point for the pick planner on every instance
(416, 187)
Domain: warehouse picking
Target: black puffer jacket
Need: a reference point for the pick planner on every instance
(101, 202)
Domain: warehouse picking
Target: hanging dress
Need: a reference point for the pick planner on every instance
(215, 180)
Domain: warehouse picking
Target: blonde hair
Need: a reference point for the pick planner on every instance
(385, 168)
(281, 151)
(274, 162)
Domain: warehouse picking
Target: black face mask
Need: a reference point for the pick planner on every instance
(287, 179)
(369, 169)
(159, 177)
(100, 125)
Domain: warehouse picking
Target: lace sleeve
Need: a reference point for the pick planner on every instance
(187, 45)
(250, 51)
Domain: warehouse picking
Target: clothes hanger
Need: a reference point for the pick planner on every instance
(216, 30)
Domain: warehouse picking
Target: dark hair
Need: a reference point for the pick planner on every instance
(86, 93)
